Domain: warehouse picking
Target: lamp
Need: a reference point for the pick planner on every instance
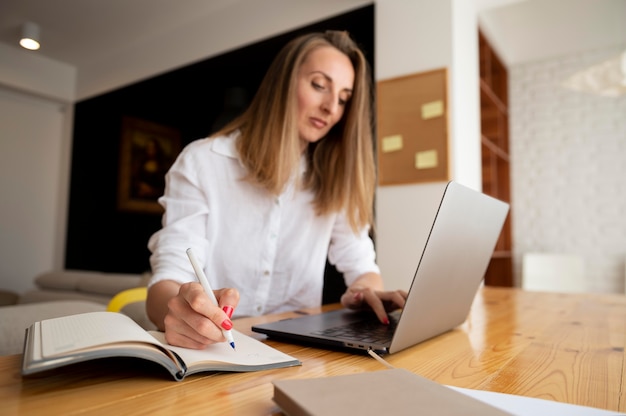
(30, 36)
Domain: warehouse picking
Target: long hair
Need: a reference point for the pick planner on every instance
(341, 170)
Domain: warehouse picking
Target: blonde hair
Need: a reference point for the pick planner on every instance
(341, 170)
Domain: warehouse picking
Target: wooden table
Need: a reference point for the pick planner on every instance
(567, 348)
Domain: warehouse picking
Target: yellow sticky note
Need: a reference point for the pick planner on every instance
(392, 143)
(426, 160)
(432, 109)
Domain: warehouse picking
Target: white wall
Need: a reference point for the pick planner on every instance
(568, 158)
(33, 74)
(33, 184)
(36, 116)
(413, 37)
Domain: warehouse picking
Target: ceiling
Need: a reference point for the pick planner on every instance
(535, 30)
(79, 32)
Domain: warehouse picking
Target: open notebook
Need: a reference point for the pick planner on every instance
(449, 269)
(59, 342)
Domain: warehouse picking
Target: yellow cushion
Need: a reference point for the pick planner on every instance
(127, 296)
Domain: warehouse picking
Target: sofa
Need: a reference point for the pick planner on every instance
(82, 285)
(67, 292)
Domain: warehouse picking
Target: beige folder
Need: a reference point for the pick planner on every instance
(386, 392)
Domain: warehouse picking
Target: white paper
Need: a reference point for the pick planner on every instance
(249, 352)
(75, 332)
(530, 406)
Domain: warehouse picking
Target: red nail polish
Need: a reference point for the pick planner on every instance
(229, 310)
(227, 324)
(386, 321)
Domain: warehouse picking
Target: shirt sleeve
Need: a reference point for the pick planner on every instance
(184, 220)
(352, 253)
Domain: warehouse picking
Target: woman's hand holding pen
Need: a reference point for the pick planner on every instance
(194, 321)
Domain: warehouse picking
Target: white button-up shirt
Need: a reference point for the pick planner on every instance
(273, 249)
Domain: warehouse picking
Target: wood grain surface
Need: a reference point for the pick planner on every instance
(563, 347)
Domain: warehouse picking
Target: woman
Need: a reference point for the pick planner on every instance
(266, 199)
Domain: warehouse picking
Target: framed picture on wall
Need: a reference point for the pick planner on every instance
(147, 151)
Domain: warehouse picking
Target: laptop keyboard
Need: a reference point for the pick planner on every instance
(370, 331)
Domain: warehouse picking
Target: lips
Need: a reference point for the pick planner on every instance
(318, 123)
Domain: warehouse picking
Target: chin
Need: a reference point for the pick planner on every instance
(311, 138)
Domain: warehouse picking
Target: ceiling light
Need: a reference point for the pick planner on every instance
(30, 36)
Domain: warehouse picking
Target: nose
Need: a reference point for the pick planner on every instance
(330, 104)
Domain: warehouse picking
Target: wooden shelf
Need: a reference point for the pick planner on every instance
(496, 179)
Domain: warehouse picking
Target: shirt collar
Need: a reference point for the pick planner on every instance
(225, 145)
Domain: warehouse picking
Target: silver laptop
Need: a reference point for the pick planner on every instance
(449, 271)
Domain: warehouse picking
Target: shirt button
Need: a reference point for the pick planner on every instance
(259, 308)
(266, 273)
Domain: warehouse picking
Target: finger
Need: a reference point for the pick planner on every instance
(179, 332)
(200, 302)
(401, 298)
(352, 299)
(218, 319)
(220, 315)
(228, 300)
(193, 315)
(394, 299)
(193, 295)
(376, 303)
(177, 338)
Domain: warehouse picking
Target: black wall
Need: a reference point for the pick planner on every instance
(191, 100)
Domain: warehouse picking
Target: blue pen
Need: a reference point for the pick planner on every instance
(207, 288)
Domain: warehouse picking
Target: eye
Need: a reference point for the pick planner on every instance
(343, 101)
(317, 86)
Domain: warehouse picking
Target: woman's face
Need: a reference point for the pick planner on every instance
(325, 82)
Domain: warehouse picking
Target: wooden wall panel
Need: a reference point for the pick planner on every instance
(412, 130)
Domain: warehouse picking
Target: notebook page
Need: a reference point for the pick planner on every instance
(71, 333)
(250, 352)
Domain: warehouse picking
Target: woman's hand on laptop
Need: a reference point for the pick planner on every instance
(367, 292)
